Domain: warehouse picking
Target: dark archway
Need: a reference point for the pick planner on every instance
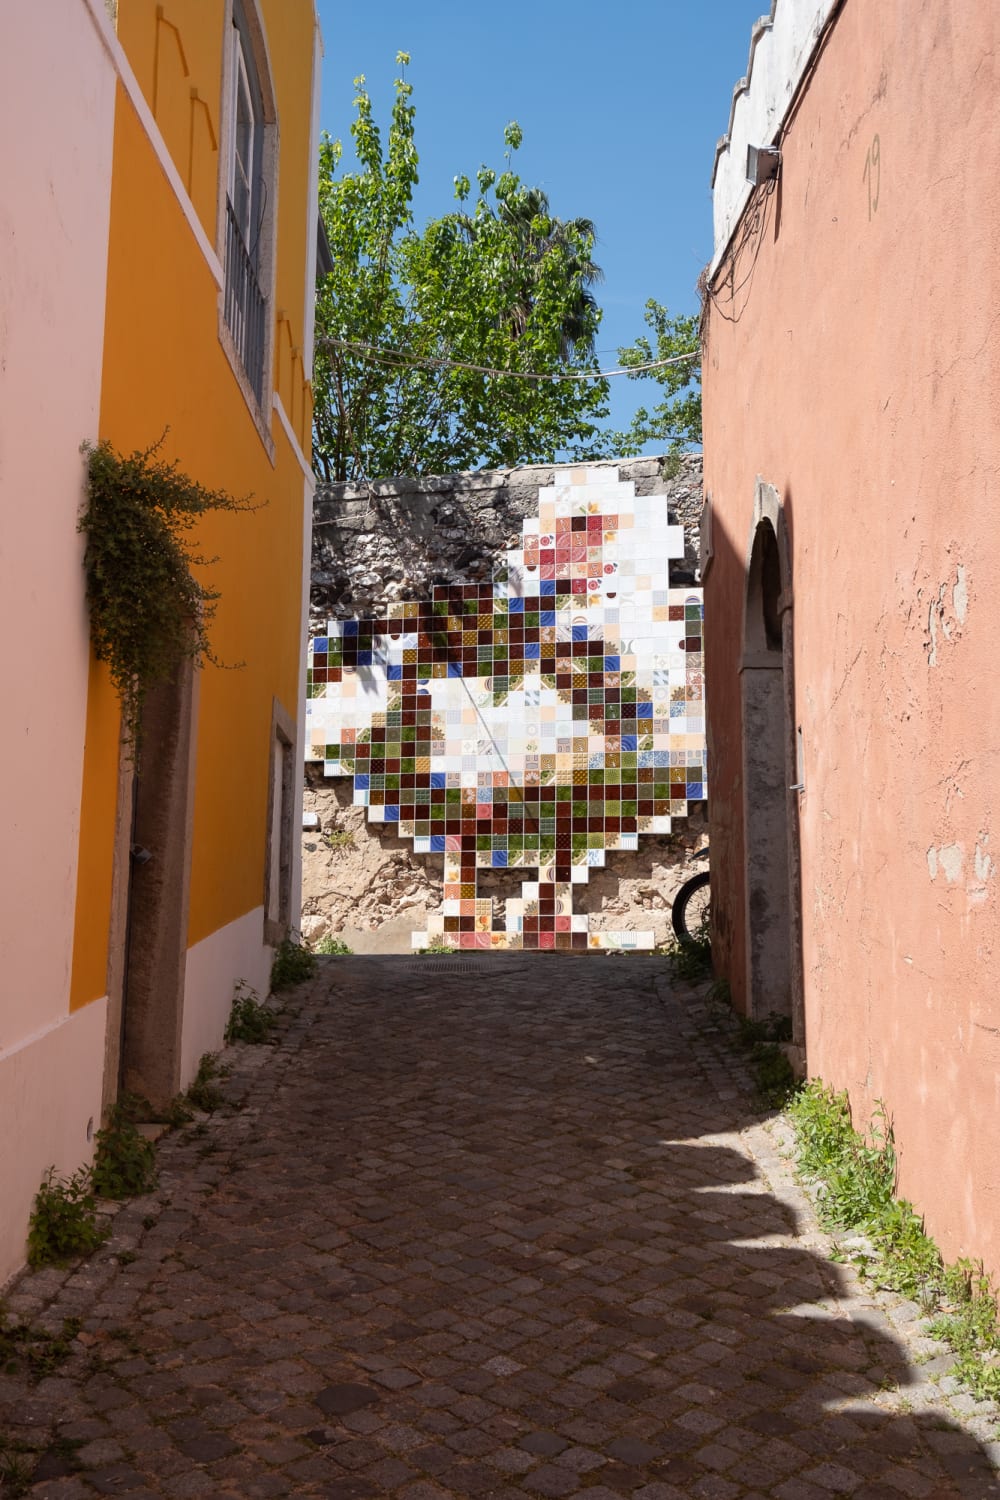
(770, 777)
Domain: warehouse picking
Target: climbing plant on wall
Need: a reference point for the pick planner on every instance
(149, 611)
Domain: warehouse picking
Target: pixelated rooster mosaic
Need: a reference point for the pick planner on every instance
(534, 722)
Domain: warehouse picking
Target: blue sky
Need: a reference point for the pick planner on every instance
(621, 106)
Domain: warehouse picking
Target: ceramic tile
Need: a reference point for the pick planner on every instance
(532, 722)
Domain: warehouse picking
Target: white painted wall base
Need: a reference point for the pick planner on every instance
(213, 967)
(50, 1091)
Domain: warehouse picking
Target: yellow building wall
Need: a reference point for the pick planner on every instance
(166, 370)
(295, 234)
(175, 52)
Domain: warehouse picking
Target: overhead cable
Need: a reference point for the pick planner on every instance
(394, 358)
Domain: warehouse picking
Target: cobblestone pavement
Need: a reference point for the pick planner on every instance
(505, 1228)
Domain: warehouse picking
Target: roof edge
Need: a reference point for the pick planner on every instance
(782, 46)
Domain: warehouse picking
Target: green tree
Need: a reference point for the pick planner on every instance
(675, 421)
(500, 282)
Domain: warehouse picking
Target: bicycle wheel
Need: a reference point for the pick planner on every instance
(690, 910)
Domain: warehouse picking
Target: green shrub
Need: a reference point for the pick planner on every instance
(63, 1221)
(330, 944)
(292, 964)
(124, 1162)
(856, 1177)
(249, 1019)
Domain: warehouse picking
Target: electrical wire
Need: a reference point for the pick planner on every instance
(393, 358)
(754, 225)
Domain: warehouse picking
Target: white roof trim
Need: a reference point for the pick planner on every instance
(781, 46)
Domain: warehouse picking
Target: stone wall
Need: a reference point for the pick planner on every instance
(396, 540)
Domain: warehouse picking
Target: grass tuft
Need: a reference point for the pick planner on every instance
(854, 1178)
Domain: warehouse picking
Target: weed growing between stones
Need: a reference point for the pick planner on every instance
(773, 1074)
(690, 960)
(853, 1176)
(292, 964)
(175, 1113)
(23, 1464)
(249, 1020)
(124, 1162)
(204, 1093)
(437, 948)
(63, 1221)
(762, 1041)
(33, 1353)
(968, 1321)
(17, 1467)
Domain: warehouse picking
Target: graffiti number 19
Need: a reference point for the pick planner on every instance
(873, 174)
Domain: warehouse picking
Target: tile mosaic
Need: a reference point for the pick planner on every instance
(532, 722)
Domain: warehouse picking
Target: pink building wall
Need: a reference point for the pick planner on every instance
(54, 204)
(853, 363)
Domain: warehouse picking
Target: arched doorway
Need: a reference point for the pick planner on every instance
(770, 777)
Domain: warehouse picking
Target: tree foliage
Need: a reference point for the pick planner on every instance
(499, 282)
(674, 422)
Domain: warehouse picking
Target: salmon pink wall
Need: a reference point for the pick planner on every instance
(853, 362)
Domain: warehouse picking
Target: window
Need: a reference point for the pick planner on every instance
(242, 166)
(247, 209)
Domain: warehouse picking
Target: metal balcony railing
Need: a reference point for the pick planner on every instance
(244, 304)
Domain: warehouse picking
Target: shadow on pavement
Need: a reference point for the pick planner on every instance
(491, 1231)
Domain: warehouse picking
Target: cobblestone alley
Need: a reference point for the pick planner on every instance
(503, 1227)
